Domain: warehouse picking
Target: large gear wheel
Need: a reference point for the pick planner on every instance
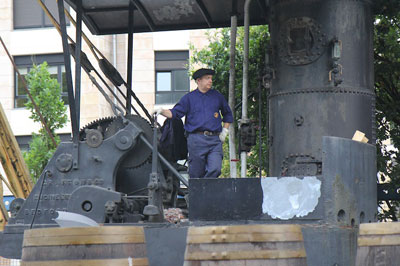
(141, 153)
(100, 124)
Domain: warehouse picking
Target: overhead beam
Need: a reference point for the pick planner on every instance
(205, 13)
(104, 9)
(145, 14)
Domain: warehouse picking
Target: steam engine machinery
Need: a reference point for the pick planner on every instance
(319, 73)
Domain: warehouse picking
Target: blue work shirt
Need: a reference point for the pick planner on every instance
(203, 111)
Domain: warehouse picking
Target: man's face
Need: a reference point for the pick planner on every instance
(205, 82)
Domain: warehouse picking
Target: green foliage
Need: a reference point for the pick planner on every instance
(387, 88)
(216, 56)
(41, 149)
(46, 93)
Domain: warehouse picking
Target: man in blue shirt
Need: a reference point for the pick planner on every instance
(203, 108)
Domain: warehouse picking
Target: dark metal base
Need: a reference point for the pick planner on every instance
(347, 191)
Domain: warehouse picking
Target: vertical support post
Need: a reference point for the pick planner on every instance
(243, 154)
(78, 59)
(259, 129)
(71, 98)
(130, 58)
(67, 62)
(114, 48)
(231, 98)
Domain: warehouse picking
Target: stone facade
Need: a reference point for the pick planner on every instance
(93, 105)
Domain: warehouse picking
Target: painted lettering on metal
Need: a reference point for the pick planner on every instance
(52, 197)
(83, 182)
(45, 211)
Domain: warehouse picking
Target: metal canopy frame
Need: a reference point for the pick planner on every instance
(164, 15)
(99, 14)
(134, 9)
(205, 18)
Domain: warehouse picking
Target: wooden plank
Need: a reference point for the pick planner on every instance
(388, 228)
(387, 240)
(360, 136)
(11, 158)
(3, 210)
(243, 255)
(102, 262)
(239, 229)
(83, 235)
(378, 256)
(239, 238)
(81, 240)
(88, 231)
(276, 262)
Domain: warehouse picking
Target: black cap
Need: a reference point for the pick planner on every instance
(201, 72)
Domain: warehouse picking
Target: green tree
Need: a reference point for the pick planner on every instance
(387, 88)
(45, 92)
(216, 56)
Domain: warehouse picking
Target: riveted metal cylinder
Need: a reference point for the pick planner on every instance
(323, 58)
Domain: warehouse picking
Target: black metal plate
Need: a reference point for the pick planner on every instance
(216, 199)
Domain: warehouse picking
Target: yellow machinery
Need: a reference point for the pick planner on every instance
(18, 179)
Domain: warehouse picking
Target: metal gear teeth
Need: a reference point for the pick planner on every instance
(95, 122)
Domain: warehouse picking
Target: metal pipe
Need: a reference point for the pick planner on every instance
(243, 155)
(129, 88)
(155, 148)
(165, 162)
(78, 49)
(231, 97)
(130, 55)
(114, 48)
(57, 26)
(68, 74)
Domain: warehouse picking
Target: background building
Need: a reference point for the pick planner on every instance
(160, 64)
(160, 67)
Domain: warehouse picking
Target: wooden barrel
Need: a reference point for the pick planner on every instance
(86, 246)
(379, 244)
(255, 245)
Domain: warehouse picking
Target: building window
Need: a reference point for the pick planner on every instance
(23, 141)
(29, 14)
(24, 65)
(172, 79)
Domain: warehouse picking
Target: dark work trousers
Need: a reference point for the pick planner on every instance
(205, 156)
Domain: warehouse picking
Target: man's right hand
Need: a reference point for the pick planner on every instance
(157, 111)
(223, 134)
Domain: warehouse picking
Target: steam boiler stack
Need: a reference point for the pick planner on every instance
(323, 86)
(321, 94)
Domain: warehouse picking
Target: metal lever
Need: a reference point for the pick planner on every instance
(154, 209)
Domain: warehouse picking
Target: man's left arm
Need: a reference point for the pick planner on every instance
(227, 119)
(227, 116)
